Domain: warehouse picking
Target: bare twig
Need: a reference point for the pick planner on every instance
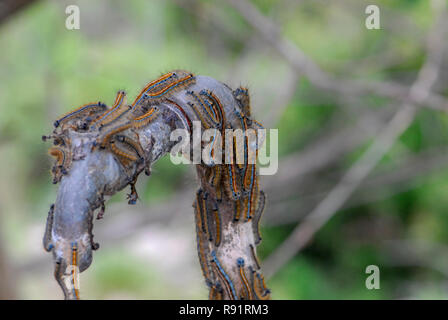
(394, 179)
(319, 78)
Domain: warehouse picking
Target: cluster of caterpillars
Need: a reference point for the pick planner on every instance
(233, 183)
(116, 127)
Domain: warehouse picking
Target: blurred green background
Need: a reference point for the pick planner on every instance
(397, 219)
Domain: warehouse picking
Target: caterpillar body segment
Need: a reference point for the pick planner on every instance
(84, 112)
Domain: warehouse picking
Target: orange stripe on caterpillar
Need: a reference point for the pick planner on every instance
(132, 144)
(63, 161)
(57, 153)
(215, 175)
(210, 218)
(241, 165)
(210, 117)
(216, 103)
(241, 94)
(75, 270)
(124, 157)
(231, 183)
(202, 248)
(82, 111)
(106, 136)
(223, 276)
(218, 193)
(259, 288)
(215, 292)
(182, 82)
(151, 85)
(240, 264)
(238, 208)
(251, 198)
(145, 119)
(204, 123)
(217, 219)
(200, 204)
(113, 113)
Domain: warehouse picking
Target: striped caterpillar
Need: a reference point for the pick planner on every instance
(239, 181)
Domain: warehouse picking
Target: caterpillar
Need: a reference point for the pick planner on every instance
(145, 119)
(232, 186)
(49, 226)
(241, 165)
(241, 94)
(254, 256)
(257, 217)
(215, 176)
(75, 270)
(229, 286)
(209, 119)
(132, 144)
(211, 154)
(217, 219)
(151, 85)
(201, 246)
(218, 193)
(113, 113)
(204, 123)
(106, 136)
(259, 290)
(124, 156)
(200, 206)
(63, 162)
(240, 264)
(210, 220)
(253, 186)
(133, 196)
(182, 79)
(237, 208)
(81, 112)
(215, 292)
(216, 107)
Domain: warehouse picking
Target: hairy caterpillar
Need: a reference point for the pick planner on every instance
(257, 217)
(254, 256)
(240, 264)
(75, 270)
(228, 284)
(81, 112)
(145, 119)
(210, 119)
(47, 236)
(115, 112)
(242, 96)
